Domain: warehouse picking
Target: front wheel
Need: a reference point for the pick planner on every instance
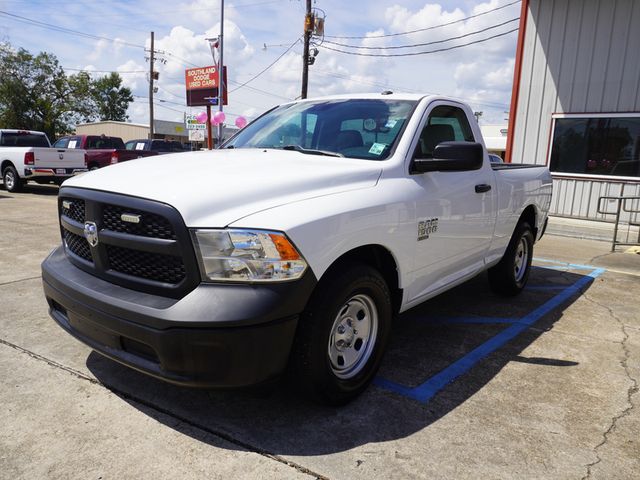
(12, 181)
(510, 275)
(342, 335)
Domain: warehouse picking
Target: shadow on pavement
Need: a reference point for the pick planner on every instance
(32, 188)
(425, 340)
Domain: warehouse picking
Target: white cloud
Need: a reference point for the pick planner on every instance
(105, 47)
(134, 81)
(481, 73)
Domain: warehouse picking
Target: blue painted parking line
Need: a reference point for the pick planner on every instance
(546, 287)
(427, 390)
(468, 320)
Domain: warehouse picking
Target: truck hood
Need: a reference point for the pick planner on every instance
(216, 188)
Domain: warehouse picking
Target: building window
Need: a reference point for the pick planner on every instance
(606, 145)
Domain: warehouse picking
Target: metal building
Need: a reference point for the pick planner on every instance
(576, 101)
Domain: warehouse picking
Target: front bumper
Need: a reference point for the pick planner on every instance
(224, 336)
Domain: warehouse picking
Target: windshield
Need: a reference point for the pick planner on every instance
(355, 128)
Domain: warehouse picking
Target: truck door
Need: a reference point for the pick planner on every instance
(454, 209)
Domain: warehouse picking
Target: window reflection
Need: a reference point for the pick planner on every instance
(604, 146)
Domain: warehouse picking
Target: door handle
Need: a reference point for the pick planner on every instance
(483, 187)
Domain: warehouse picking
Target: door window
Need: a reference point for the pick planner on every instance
(445, 124)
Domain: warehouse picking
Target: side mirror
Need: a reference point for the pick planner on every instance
(451, 157)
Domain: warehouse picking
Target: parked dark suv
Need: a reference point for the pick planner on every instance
(160, 146)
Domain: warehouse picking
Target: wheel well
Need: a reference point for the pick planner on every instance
(529, 216)
(5, 164)
(382, 260)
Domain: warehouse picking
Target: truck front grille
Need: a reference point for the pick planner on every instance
(73, 208)
(77, 245)
(152, 252)
(150, 225)
(152, 266)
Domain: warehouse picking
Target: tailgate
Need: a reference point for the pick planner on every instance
(59, 158)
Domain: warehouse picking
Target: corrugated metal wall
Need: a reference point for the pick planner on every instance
(579, 199)
(579, 56)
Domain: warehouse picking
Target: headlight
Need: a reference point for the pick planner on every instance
(247, 256)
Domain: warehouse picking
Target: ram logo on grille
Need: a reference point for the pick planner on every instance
(91, 233)
(130, 217)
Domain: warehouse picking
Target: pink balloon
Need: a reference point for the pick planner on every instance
(241, 122)
(202, 117)
(219, 117)
(213, 121)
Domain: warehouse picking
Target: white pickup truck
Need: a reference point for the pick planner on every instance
(27, 155)
(294, 245)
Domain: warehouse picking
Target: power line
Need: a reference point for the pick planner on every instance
(149, 13)
(427, 28)
(261, 91)
(267, 67)
(395, 47)
(401, 88)
(102, 71)
(420, 53)
(161, 101)
(69, 31)
(168, 108)
(169, 92)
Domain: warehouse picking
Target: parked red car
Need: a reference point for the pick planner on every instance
(101, 150)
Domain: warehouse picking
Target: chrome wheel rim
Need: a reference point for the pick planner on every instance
(521, 260)
(9, 180)
(353, 336)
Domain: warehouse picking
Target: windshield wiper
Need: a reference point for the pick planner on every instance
(310, 151)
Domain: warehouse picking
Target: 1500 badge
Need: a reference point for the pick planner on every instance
(426, 228)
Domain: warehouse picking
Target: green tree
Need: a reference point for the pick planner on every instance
(111, 98)
(35, 93)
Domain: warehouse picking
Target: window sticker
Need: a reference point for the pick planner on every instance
(369, 124)
(72, 144)
(140, 146)
(391, 123)
(377, 148)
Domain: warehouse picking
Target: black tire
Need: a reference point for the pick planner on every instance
(510, 275)
(349, 295)
(12, 181)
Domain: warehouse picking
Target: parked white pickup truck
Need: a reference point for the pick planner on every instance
(295, 244)
(27, 155)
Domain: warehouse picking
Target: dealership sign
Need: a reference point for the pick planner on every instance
(192, 123)
(202, 86)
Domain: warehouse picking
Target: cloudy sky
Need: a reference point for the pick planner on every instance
(257, 32)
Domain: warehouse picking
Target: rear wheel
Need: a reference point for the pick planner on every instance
(342, 335)
(12, 181)
(510, 276)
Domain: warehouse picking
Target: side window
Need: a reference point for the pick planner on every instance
(74, 142)
(92, 142)
(61, 142)
(445, 124)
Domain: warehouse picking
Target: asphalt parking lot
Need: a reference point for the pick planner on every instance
(474, 385)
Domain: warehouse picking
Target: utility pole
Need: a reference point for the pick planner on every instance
(221, 70)
(308, 28)
(151, 62)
